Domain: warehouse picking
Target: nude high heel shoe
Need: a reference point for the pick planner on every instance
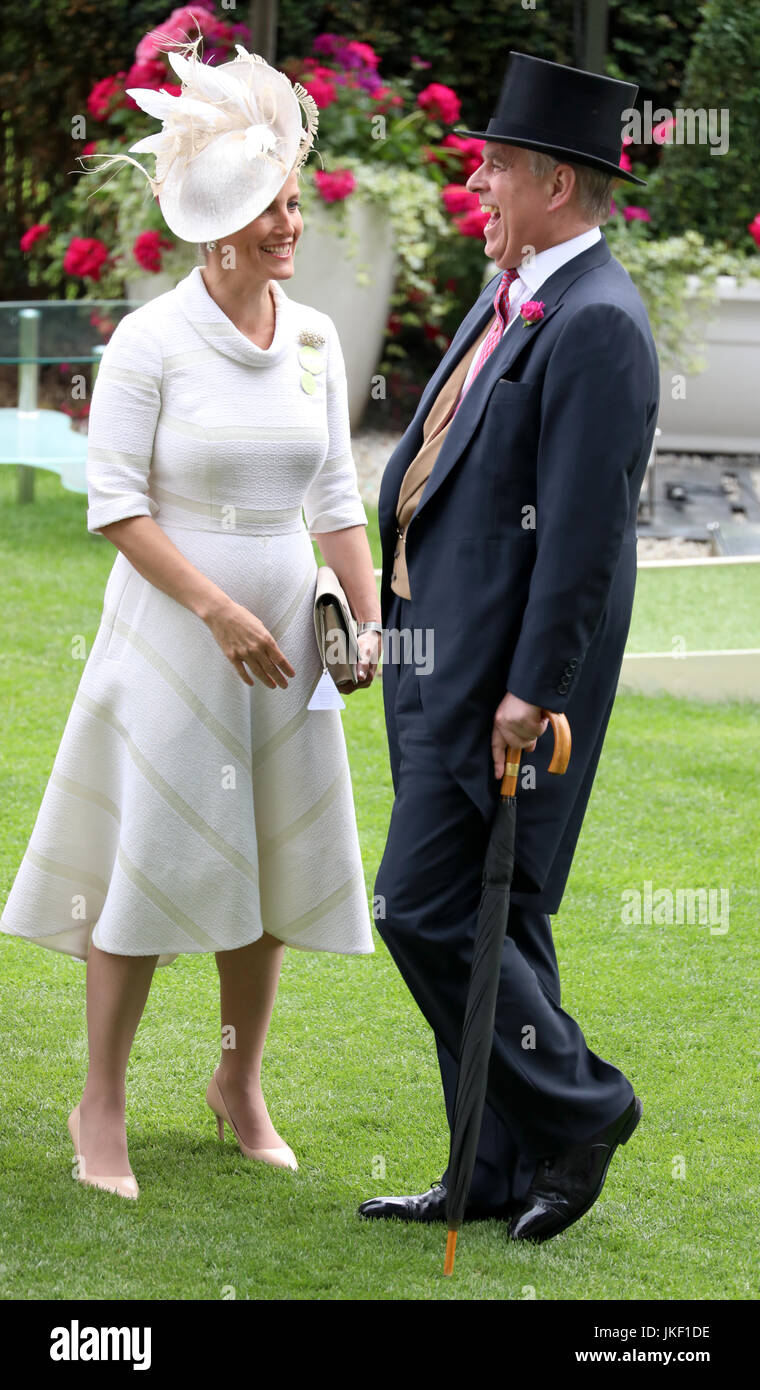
(282, 1157)
(125, 1186)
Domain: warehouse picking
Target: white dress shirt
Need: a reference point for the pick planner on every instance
(531, 274)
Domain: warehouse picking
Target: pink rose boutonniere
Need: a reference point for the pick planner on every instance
(531, 311)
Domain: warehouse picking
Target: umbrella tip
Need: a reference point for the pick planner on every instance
(451, 1245)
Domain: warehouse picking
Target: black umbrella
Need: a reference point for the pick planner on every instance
(480, 1010)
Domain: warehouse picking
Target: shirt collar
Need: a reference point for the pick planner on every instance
(216, 328)
(534, 272)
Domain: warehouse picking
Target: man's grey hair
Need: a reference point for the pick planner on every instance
(593, 186)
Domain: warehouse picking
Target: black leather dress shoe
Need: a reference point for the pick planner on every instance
(564, 1187)
(427, 1206)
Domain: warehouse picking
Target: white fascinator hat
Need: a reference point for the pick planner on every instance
(228, 142)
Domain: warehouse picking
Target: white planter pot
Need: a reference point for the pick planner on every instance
(148, 286)
(326, 278)
(144, 285)
(719, 412)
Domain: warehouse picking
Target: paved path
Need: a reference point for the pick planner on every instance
(373, 448)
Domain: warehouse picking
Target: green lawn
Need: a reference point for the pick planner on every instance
(350, 1071)
(710, 608)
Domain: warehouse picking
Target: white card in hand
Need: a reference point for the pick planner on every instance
(326, 694)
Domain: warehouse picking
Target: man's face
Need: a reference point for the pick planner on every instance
(519, 201)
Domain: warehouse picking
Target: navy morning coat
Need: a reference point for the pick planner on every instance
(521, 552)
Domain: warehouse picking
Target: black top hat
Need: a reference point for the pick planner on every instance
(562, 111)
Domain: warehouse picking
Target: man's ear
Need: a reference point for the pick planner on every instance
(564, 186)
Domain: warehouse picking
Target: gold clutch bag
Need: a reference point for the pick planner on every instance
(335, 628)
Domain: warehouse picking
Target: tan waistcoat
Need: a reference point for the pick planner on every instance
(434, 432)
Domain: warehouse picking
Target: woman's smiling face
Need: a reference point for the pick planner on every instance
(267, 245)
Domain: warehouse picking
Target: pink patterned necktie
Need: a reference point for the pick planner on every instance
(497, 329)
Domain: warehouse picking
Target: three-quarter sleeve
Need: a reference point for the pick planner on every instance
(124, 410)
(332, 500)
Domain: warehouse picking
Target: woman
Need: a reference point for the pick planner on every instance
(195, 803)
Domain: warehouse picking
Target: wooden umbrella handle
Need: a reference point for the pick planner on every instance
(560, 756)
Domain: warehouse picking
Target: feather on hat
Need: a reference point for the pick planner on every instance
(228, 143)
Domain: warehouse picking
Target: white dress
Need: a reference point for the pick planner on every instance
(187, 811)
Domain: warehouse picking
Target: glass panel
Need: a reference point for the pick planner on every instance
(46, 439)
(63, 330)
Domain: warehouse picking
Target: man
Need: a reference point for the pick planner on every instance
(508, 523)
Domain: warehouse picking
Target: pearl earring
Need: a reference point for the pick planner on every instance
(211, 245)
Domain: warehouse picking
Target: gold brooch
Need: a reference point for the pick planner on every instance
(311, 339)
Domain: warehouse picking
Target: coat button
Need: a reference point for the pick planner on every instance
(393, 576)
(574, 661)
(395, 551)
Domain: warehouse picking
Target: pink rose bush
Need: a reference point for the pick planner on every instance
(456, 198)
(469, 149)
(118, 242)
(85, 257)
(343, 72)
(464, 207)
(184, 24)
(472, 223)
(468, 152)
(334, 187)
(440, 103)
(319, 83)
(106, 95)
(392, 134)
(147, 250)
(34, 234)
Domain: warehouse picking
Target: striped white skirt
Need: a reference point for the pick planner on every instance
(187, 811)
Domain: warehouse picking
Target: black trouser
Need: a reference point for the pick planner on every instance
(546, 1089)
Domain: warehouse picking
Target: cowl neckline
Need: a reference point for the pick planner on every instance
(203, 312)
